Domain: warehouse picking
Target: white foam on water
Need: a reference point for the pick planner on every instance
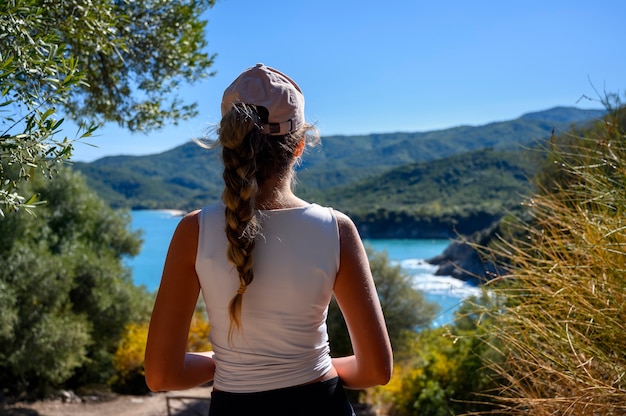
(445, 285)
(169, 213)
(426, 280)
(447, 291)
(418, 265)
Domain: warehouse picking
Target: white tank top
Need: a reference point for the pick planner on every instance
(284, 341)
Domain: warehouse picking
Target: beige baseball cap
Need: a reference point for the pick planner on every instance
(261, 85)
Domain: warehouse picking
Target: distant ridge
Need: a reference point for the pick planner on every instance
(188, 176)
(344, 159)
(565, 115)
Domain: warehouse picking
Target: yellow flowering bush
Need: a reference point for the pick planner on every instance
(441, 373)
(199, 333)
(128, 360)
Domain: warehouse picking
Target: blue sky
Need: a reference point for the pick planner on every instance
(403, 65)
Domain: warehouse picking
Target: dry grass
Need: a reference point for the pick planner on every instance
(563, 326)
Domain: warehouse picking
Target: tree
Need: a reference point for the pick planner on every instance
(445, 370)
(404, 307)
(116, 61)
(65, 296)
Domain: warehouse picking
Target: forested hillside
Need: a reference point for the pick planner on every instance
(454, 179)
(462, 194)
(344, 159)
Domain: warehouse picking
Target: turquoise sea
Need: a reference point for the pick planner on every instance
(158, 226)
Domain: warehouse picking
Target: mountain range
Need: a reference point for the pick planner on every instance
(434, 183)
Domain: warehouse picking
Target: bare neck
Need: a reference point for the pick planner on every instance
(277, 194)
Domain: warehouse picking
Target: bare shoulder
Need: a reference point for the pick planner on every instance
(345, 224)
(193, 214)
(348, 233)
(190, 221)
(187, 231)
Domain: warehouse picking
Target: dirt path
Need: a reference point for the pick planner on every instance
(152, 405)
(181, 403)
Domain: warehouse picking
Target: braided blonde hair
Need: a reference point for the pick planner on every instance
(250, 158)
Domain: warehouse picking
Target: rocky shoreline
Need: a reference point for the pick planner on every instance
(462, 260)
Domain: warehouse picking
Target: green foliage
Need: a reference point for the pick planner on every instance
(430, 199)
(66, 296)
(561, 330)
(341, 160)
(131, 56)
(457, 195)
(128, 361)
(443, 371)
(403, 185)
(119, 61)
(186, 177)
(36, 74)
(134, 56)
(404, 307)
(499, 176)
(344, 159)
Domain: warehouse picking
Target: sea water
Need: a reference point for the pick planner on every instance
(157, 227)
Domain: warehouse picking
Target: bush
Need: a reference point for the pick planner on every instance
(404, 307)
(443, 372)
(129, 375)
(128, 361)
(66, 296)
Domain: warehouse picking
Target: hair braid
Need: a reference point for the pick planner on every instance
(239, 137)
(250, 158)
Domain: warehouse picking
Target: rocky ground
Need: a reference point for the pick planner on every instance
(184, 403)
(116, 405)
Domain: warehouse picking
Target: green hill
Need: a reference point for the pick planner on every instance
(459, 194)
(484, 178)
(443, 176)
(185, 177)
(344, 159)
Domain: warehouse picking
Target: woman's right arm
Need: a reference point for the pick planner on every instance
(356, 295)
(167, 363)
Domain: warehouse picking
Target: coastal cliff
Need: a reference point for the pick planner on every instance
(462, 260)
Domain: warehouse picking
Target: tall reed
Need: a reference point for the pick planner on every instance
(563, 327)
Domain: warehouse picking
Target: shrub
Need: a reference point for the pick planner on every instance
(128, 361)
(66, 295)
(129, 375)
(443, 372)
(404, 307)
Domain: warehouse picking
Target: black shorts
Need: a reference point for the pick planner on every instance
(326, 398)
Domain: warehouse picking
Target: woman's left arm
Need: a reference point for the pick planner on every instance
(167, 363)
